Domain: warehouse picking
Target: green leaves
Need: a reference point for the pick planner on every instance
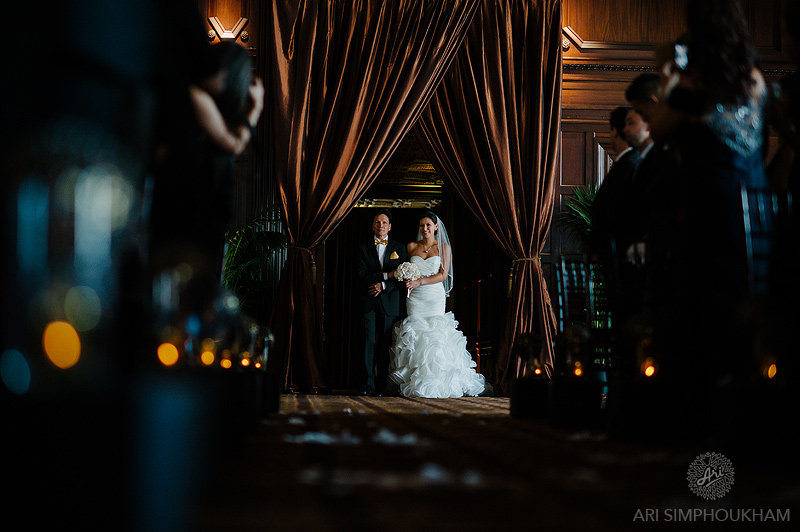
(576, 211)
(250, 251)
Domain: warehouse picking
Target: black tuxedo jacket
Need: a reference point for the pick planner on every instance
(610, 209)
(370, 271)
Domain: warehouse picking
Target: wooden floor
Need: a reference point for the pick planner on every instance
(349, 463)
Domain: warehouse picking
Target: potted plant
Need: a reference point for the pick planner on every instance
(575, 216)
(576, 213)
(249, 252)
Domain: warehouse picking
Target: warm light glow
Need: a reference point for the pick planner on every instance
(258, 365)
(578, 371)
(61, 344)
(245, 362)
(649, 367)
(537, 371)
(207, 358)
(168, 354)
(225, 363)
(771, 371)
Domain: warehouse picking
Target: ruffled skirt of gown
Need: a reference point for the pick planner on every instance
(429, 357)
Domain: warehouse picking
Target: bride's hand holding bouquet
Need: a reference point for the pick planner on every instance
(407, 271)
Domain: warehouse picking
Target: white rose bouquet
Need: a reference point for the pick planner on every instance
(407, 271)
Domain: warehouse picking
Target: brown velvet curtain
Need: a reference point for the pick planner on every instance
(349, 80)
(492, 131)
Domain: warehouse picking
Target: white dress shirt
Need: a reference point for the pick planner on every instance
(381, 249)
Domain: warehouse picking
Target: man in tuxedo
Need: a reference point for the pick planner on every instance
(607, 208)
(643, 220)
(381, 299)
(656, 190)
(636, 193)
(619, 224)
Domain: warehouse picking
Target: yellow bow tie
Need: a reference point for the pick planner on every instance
(384, 242)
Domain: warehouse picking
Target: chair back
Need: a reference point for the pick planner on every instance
(764, 213)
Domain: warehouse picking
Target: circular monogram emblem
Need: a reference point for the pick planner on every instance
(710, 476)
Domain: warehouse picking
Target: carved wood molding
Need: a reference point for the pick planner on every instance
(393, 203)
(218, 11)
(227, 34)
(580, 67)
(582, 45)
(599, 50)
(605, 67)
(779, 72)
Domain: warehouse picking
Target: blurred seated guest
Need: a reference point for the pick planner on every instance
(655, 191)
(654, 178)
(713, 84)
(647, 95)
(722, 95)
(195, 170)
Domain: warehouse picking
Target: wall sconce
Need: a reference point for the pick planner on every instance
(224, 34)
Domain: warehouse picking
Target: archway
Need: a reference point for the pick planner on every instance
(408, 186)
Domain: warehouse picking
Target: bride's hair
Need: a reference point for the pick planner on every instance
(429, 214)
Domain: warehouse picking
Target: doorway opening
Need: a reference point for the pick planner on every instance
(409, 186)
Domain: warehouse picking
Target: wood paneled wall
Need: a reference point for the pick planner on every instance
(607, 43)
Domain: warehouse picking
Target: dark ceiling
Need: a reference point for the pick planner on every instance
(408, 180)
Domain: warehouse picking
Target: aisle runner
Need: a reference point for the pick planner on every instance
(351, 463)
(338, 404)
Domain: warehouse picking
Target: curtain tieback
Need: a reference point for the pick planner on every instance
(313, 263)
(514, 262)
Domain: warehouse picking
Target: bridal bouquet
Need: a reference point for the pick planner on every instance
(407, 271)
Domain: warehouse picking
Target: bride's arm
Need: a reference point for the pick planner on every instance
(446, 253)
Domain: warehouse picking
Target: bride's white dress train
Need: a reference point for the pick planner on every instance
(429, 357)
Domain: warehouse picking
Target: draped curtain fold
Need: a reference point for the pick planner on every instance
(492, 131)
(349, 78)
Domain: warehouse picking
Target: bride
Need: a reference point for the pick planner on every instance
(429, 356)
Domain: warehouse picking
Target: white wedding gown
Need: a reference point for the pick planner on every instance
(429, 357)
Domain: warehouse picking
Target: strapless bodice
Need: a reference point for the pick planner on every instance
(429, 266)
(427, 299)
